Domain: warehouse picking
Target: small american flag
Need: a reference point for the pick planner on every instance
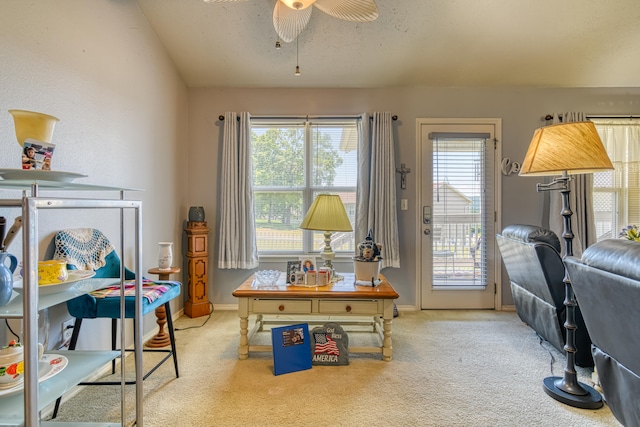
(324, 344)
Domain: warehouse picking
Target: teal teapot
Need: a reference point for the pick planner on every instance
(6, 276)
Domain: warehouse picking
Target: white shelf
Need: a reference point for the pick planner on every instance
(13, 309)
(81, 365)
(67, 424)
(23, 408)
(23, 184)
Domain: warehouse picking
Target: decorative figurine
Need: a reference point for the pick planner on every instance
(369, 250)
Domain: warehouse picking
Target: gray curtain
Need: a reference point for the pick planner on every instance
(376, 190)
(580, 199)
(237, 235)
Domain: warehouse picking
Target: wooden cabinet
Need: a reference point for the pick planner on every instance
(197, 303)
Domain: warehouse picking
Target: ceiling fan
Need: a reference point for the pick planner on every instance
(290, 17)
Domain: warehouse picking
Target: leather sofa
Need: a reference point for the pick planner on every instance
(531, 256)
(606, 282)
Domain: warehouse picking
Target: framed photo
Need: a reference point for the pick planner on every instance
(294, 336)
(37, 154)
(308, 263)
(292, 267)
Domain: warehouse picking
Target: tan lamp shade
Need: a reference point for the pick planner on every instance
(574, 148)
(327, 213)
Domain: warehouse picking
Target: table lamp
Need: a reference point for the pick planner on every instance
(566, 149)
(327, 214)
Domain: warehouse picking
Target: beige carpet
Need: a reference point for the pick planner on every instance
(450, 368)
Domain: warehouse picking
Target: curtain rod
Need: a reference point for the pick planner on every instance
(622, 116)
(221, 117)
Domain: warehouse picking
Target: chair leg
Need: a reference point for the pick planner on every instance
(167, 307)
(75, 334)
(72, 346)
(114, 333)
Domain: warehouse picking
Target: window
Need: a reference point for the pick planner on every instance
(616, 193)
(293, 161)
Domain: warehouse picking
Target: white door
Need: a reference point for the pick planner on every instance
(458, 210)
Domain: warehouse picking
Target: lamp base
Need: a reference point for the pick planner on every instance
(590, 400)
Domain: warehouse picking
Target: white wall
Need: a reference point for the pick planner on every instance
(520, 110)
(98, 67)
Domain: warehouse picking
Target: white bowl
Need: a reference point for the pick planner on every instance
(11, 364)
(267, 277)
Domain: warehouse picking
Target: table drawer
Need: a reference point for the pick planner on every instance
(268, 306)
(348, 307)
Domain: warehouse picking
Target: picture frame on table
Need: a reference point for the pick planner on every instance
(308, 263)
(292, 267)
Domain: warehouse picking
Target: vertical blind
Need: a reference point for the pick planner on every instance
(462, 227)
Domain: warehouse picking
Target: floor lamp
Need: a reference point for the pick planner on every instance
(567, 149)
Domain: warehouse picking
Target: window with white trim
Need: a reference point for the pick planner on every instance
(294, 160)
(616, 193)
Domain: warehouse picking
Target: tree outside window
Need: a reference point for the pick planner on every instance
(292, 163)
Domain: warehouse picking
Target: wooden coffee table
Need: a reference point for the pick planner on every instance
(342, 298)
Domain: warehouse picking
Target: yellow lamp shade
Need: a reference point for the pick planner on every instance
(30, 124)
(327, 213)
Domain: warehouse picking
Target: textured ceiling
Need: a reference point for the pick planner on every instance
(541, 43)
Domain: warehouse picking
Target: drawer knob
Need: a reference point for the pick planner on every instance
(348, 309)
(281, 308)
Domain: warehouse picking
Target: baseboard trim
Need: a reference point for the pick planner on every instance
(225, 307)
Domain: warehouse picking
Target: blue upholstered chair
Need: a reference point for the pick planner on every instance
(89, 249)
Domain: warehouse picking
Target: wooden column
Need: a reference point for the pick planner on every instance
(162, 338)
(197, 303)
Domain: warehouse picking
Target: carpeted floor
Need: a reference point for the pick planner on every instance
(450, 368)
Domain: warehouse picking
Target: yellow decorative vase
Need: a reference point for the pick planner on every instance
(30, 124)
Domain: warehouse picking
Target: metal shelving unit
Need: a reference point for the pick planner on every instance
(23, 408)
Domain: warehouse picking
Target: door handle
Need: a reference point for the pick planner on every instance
(426, 215)
(427, 232)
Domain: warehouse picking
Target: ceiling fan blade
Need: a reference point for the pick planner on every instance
(349, 10)
(288, 22)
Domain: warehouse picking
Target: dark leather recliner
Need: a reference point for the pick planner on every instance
(531, 255)
(607, 284)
